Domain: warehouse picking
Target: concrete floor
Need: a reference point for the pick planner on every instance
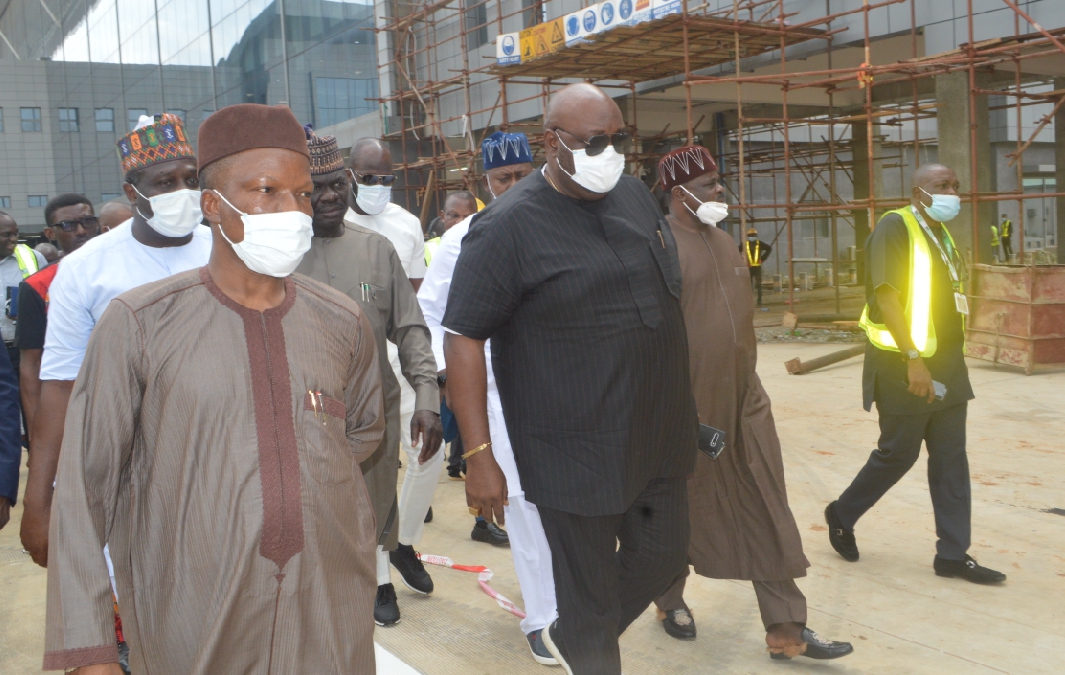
(899, 615)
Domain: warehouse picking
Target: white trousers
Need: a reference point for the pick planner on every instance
(420, 480)
(528, 544)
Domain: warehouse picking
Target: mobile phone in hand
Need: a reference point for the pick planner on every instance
(939, 389)
(711, 441)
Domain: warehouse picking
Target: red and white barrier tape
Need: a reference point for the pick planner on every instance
(484, 575)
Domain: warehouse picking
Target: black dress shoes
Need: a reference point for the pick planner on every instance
(489, 533)
(679, 623)
(967, 569)
(385, 607)
(428, 515)
(840, 537)
(551, 640)
(816, 648)
(411, 569)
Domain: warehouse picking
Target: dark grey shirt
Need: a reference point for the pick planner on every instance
(589, 349)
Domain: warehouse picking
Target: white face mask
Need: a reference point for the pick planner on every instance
(597, 174)
(944, 208)
(174, 214)
(372, 199)
(274, 243)
(710, 213)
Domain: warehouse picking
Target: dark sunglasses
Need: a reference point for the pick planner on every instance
(597, 144)
(373, 179)
(88, 223)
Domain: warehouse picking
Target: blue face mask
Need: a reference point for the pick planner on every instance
(944, 208)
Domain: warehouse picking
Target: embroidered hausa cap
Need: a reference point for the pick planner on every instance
(247, 126)
(155, 139)
(683, 164)
(325, 154)
(504, 149)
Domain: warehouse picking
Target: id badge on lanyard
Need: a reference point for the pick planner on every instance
(961, 303)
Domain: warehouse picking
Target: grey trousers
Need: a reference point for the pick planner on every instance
(943, 433)
(778, 601)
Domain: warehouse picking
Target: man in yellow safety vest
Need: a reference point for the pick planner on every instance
(1006, 232)
(17, 261)
(915, 372)
(755, 253)
(995, 252)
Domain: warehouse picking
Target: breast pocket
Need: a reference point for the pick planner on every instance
(668, 265)
(323, 424)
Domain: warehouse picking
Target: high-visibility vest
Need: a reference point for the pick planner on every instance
(1007, 229)
(27, 260)
(430, 248)
(756, 259)
(994, 236)
(918, 311)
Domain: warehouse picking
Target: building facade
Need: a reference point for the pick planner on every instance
(77, 74)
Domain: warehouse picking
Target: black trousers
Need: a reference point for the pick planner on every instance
(1007, 249)
(608, 569)
(756, 281)
(943, 432)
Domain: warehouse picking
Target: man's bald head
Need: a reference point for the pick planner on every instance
(371, 156)
(113, 214)
(576, 113)
(574, 99)
(931, 173)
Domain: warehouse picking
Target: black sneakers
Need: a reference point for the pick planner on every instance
(816, 648)
(411, 570)
(841, 538)
(679, 623)
(489, 533)
(539, 650)
(967, 569)
(385, 608)
(554, 645)
(428, 515)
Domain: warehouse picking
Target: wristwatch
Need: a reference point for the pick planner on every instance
(911, 355)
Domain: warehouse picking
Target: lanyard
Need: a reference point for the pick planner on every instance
(942, 252)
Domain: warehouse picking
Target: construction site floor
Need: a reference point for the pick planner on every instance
(899, 615)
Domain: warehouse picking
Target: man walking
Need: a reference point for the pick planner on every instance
(17, 261)
(457, 207)
(915, 372)
(215, 432)
(164, 237)
(574, 276)
(364, 265)
(507, 159)
(70, 222)
(1006, 232)
(741, 524)
(755, 253)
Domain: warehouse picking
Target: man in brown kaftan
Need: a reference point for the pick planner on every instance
(741, 524)
(213, 441)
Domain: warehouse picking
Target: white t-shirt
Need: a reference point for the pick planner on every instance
(107, 266)
(403, 230)
(432, 295)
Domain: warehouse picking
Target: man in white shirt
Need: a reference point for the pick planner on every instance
(164, 237)
(370, 171)
(507, 159)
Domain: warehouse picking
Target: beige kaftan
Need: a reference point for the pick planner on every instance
(238, 521)
(364, 266)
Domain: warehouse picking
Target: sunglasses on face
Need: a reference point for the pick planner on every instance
(374, 179)
(87, 223)
(597, 144)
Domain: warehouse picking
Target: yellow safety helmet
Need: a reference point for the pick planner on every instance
(480, 204)
(752, 231)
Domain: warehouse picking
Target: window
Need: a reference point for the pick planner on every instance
(31, 119)
(134, 116)
(105, 119)
(180, 113)
(341, 99)
(476, 23)
(532, 12)
(38, 200)
(5, 202)
(1, 120)
(820, 225)
(108, 196)
(68, 119)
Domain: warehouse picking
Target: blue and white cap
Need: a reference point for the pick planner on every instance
(504, 149)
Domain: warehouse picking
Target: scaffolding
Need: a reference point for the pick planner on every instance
(677, 51)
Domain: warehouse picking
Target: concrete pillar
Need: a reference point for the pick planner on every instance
(865, 185)
(1059, 170)
(954, 118)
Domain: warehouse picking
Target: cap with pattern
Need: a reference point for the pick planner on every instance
(504, 149)
(684, 164)
(325, 153)
(156, 139)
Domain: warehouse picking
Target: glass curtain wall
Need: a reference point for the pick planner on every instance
(93, 67)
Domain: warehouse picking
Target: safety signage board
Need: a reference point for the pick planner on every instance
(632, 12)
(609, 16)
(507, 46)
(661, 8)
(542, 39)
